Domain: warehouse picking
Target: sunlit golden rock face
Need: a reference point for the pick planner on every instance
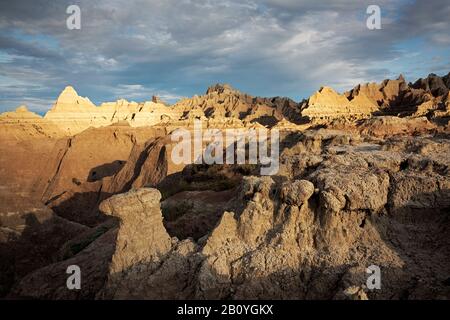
(359, 173)
(74, 114)
(329, 104)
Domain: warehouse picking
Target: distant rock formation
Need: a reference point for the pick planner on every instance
(328, 104)
(437, 86)
(221, 101)
(24, 124)
(156, 99)
(74, 114)
(21, 113)
(385, 94)
(70, 101)
(222, 106)
(396, 97)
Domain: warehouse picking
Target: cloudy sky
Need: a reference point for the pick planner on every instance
(134, 49)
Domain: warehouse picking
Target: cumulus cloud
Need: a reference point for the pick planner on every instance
(174, 48)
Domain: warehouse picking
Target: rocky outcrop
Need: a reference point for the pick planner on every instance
(388, 93)
(309, 233)
(437, 86)
(21, 113)
(193, 214)
(357, 190)
(386, 126)
(22, 163)
(342, 189)
(113, 261)
(23, 124)
(222, 101)
(147, 165)
(327, 104)
(71, 112)
(222, 106)
(396, 97)
(74, 114)
(73, 182)
(141, 243)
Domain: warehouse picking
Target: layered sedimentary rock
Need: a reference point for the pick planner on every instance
(71, 112)
(141, 220)
(222, 101)
(74, 114)
(138, 114)
(385, 94)
(362, 190)
(342, 202)
(23, 124)
(93, 165)
(396, 97)
(328, 104)
(222, 106)
(387, 126)
(21, 113)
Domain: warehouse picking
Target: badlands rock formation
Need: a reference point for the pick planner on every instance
(24, 124)
(364, 180)
(21, 113)
(224, 102)
(327, 103)
(396, 97)
(74, 114)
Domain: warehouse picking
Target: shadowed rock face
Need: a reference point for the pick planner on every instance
(438, 86)
(365, 181)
